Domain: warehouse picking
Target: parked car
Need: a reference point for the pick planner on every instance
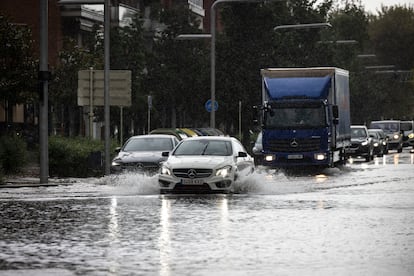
(208, 164)
(361, 143)
(383, 140)
(178, 133)
(393, 131)
(377, 142)
(258, 150)
(143, 153)
(407, 128)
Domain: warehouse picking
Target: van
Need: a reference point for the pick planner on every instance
(393, 130)
(407, 127)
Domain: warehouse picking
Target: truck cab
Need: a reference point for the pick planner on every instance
(306, 120)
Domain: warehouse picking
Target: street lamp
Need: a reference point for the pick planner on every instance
(304, 26)
(212, 35)
(192, 36)
(346, 42)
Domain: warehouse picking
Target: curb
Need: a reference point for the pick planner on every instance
(25, 182)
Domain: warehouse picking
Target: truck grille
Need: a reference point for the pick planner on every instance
(295, 145)
(192, 173)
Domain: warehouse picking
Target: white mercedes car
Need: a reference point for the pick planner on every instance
(207, 164)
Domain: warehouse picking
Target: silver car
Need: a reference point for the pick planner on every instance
(209, 164)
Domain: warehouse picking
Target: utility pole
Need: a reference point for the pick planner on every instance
(44, 76)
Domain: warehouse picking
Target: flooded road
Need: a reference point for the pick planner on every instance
(355, 220)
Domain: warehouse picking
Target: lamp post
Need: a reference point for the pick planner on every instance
(344, 42)
(192, 36)
(303, 26)
(212, 35)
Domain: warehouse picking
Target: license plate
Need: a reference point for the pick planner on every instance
(295, 156)
(186, 181)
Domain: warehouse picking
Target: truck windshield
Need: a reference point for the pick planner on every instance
(295, 117)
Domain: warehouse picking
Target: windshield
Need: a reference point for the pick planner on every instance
(149, 144)
(204, 147)
(358, 133)
(406, 126)
(296, 117)
(387, 126)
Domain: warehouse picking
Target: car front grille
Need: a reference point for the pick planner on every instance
(140, 165)
(294, 145)
(192, 173)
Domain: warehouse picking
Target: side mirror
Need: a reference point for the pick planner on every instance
(242, 154)
(117, 149)
(165, 153)
(335, 111)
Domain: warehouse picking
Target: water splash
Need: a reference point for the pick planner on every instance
(132, 184)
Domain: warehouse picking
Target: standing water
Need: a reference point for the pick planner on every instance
(356, 220)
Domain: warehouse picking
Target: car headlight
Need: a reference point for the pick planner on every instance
(224, 172)
(376, 144)
(116, 163)
(165, 170)
(411, 135)
(364, 143)
(396, 136)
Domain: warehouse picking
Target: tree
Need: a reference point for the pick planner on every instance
(63, 88)
(249, 43)
(392, 35)
(178, 72)
(17, 65)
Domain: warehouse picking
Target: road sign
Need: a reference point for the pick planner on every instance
(208, 105)
(119, 87)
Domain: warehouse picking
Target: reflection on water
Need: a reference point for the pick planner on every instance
(353, 220)
(164, 242)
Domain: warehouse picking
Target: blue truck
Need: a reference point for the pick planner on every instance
(305, 116)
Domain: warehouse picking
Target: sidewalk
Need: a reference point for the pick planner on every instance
(30, 177)
(21, 182)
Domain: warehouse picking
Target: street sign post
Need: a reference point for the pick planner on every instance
(91, 91)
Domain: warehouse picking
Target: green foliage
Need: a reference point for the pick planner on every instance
(178, 72)
(17, 65)
(70, 157)
(392, 35)
(13, 154)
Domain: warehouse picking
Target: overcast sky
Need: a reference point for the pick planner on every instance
(374, 5)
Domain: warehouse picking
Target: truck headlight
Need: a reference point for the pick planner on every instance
(319, 156)
(224, 172)
(396, 136)
(165, 170)
(411, 135)
(269, 157)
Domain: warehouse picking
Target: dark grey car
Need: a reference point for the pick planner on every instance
(143, 153)
(361, 143)
(380, 141)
